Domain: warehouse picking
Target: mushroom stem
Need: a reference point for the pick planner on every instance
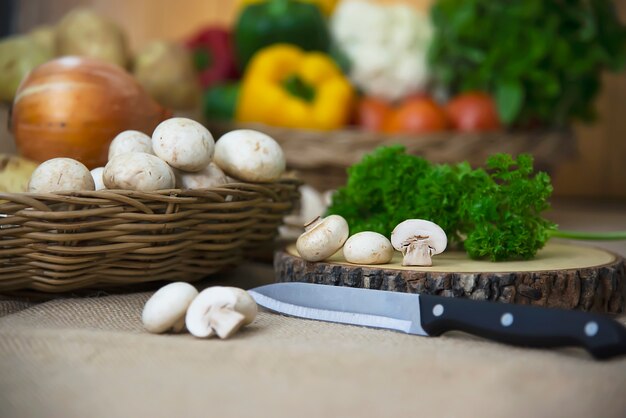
(225, 321)
(417, 252)
(179, 326)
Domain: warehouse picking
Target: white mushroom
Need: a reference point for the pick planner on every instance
(210, 176)
(322, 238)
(418, 240)
(60, 174)
(183, 143)
(250, 156)
(312, 206)
(130, 141)
(166, 309)
(368, 248)
(96, 174)
(138, 171)
(220, 310)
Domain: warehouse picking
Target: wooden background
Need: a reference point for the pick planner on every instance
(598, 171)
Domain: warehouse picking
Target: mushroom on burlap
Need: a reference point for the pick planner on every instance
(220, 310)
(166, 309)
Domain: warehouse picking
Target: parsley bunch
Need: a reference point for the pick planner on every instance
(494, 213)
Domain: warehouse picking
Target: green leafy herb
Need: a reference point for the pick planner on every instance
(495, 213)
(541, 59)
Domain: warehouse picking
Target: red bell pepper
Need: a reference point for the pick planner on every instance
(213, 55)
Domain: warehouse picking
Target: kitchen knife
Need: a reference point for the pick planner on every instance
(433, 315)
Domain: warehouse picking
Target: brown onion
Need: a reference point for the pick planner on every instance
(74, 107)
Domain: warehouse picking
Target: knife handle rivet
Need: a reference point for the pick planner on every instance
(591, 328)
(438, 309)
(506, 319)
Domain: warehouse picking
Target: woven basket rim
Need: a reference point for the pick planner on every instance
(121, 196)
(104, 193)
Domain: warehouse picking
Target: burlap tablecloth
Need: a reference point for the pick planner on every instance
(89, 357)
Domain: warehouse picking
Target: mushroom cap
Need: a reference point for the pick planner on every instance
(412, 228)
(167, 306)
(323, 239)
(130, 141)
(197, 318)
(138, 171)
(368, 248)
(96, 174)
(60, 174)
(250, 155)
(210, 176)
(183, 143)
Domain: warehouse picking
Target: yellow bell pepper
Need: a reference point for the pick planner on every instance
(326, 6)
(285, 86)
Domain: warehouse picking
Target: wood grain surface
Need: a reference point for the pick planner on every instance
(563, 276)
(597, 171)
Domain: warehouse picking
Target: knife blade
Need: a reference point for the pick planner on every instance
(429, 315)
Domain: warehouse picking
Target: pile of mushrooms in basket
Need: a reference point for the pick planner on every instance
(180, 154)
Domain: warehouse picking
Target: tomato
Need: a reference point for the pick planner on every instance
(473, 112)
(417, 115)
(372, 113)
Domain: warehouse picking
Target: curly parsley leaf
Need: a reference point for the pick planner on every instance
(495, 213)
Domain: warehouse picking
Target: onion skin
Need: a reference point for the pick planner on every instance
(74, 106)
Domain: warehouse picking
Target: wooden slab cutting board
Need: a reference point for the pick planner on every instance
(562, 275)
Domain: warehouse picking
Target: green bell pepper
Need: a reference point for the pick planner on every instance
(279, 21)
(220, 101)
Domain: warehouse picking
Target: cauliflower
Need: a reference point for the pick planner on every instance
(386, 45)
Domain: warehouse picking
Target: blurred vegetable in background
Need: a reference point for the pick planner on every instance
(473, 112)
(386, 46)
(279, 21)
(540, 59)
(165, 70)
(220, 101)
(326, 6)
(45, 36)
(414, 115)
(74, 107)
(18, 55)
(15, 173)
(372, 113)
(86, 33)
(213, 57)
(417, 115)
(285, 86)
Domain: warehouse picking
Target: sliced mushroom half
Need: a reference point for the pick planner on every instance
(418, 240)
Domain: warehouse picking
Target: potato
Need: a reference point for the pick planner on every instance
(85, 33)
(165, 70)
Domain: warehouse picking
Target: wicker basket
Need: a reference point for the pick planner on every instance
(113, 238)
(321, 158)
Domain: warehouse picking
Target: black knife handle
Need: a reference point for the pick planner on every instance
(524, 325)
